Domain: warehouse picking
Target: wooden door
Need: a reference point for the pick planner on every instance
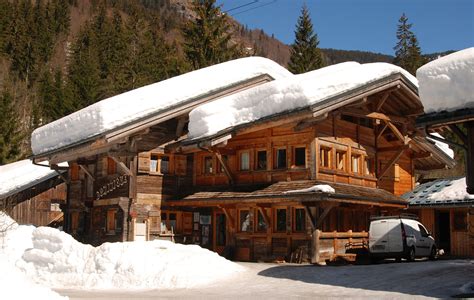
(219, 232)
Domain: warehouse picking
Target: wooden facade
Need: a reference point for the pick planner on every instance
(246, 193)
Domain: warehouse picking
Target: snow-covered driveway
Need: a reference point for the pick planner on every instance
(439, 279)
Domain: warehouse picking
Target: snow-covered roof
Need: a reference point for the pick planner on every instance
(451, 191)
(121, 110)
(287, 94)
(447, 83)
(21, 175)
(442, 146)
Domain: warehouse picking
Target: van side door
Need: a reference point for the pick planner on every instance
(423, 245)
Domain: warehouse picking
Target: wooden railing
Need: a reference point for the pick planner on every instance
(328, 246)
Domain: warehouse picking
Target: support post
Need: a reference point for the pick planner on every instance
(470, 158)
(315, 246)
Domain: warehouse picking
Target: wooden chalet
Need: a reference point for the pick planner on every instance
(256, 190)
(30, 198)
(447, 212)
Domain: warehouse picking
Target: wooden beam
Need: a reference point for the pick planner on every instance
(373, 115)
(229, 217)
(393, 160)
(224, 166)
(323, 216)
(180, 127)
(382, 101)
(382, 131)
(122, 166)
(265, 216)
(310, 217)
(422, 155)
(303, 124)
(390, 148)
(397, 133)
(87, 172)
(457, 131)
(470, 157)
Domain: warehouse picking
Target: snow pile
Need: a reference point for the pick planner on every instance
(20, 175)
(59, 261)
(146, 101)
(14, 284)
(448, 82)
(442, 146)
(285, 95)
(455, 191)
(324, 188)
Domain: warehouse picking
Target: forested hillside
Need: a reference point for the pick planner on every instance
(58, 56)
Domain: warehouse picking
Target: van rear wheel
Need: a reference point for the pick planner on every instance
(411, 254)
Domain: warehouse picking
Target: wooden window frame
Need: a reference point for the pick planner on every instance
(205, 171)
(257, 151)
(240, 154)
(159, 160)
(275, 218)
(359, 160)
(111, 221)
(220, 167)
(344, 160)
(275, 158)
(294, 220)
(258, 213)
(293, 157)
(327, 150)
(251, 217)
(369, 165)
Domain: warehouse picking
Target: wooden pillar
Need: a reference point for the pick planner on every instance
(470, 157)
(315, 246)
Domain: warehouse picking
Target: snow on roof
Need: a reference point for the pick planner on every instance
(448, 82)
(21, 175)
(125, 108)
(450, 191)
(442, 146)
(285, 95)
(323, 188)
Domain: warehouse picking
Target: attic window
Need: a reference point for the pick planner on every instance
(280, 158)
(300, 157)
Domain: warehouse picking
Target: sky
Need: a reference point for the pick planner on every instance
(366, 25)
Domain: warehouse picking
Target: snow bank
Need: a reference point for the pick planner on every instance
(285, 95)
(455, 191)
(22, 174)
(448, 82)
(59, 261)
(442, 146)
(324, 188)
(14, 239)
(122, 109)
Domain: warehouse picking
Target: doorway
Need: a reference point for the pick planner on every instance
(443, 230)
(219, 232)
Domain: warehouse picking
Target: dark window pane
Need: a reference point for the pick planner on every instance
(261, 160)
(164, 166)
(281, 220)
(300, 157)
(246, 223)
(280, 159)
(261, 225)
(300, 221)
(220, 230)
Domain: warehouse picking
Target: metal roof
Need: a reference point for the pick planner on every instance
(420, 196)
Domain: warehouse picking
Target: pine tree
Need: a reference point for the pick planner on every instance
(305, 54)
(407, 50)
(10, 136)
(207, 40)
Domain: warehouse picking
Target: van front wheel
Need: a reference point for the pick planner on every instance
(434, 253)
(411, 254)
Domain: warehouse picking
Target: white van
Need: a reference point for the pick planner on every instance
(400, 237)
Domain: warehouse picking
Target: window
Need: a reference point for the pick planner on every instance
(154, 163)
(369, 166)
(246, 221)
(355, 163)
(300, 221)
(244, 161)
(261, 160)
(261, 224)
(423, 231)
(280, 159)
(172, 221)
(281, 220)
(111, 221)
(207, 165)
(168, 222)
(225, 159)
(300, 157)
(325, 157)
(341, 160)
(164, 164)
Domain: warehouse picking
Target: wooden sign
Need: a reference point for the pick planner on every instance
(115, 187)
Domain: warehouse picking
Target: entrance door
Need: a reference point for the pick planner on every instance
(443, 225)
(219, 232)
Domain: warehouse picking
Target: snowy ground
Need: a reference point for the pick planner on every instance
(421, 279)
